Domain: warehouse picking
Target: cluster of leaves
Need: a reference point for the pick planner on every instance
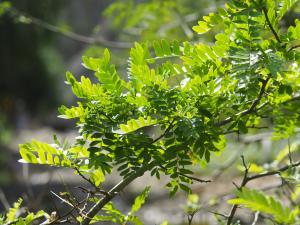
(180, 99)
(111, 213)
(152, 19)
(19, 215)
(258, 201)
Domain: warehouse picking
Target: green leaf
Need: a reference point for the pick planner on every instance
(12, 214)
(42, 153)
(285, 5)
(166, 47)
(73, 112)
(97, 176)
(201, 28)
(158, 49)
(258, 201)
(140, 200)
(4, 7)
(176, 48)
(107, 75)
(85, 88)
(133, 125)
(185, 188)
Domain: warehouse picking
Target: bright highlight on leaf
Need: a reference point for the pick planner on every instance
(42, 153)
(133, 125)
(140, 200)
(201, 28)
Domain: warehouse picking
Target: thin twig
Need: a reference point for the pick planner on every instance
(253, 107)
(58, 220)
(189, 177)
(244, 182)
(62, 199)
(247, 179)
(190, 218)
(85, 178)
(72, 35)
(270, 173)
(265, 11)
(293, 47)
(171, 125)
(195, 178)
(112, 193)
(290, 154)
(218, 214)
(256, 216)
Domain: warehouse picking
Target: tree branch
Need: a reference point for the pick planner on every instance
(111, 194)
(121, 185)
(247, 179)
(265, 11)
(195, 178)
(252, 107)
(189, 177)
(171, 125)
(293, 47)
(69, 34)
(85, 178)
(271, 173)
(244, 182)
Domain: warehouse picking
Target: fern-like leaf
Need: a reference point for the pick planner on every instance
(41, 153)
(85, 88)
(12, 214)
(73, 112)
(105, 72)
(164, 48)
(140, 200)
(133, 125)
(285, 6)
(258, 201)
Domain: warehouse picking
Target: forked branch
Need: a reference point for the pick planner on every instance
(111, 194)
(247, 179)
(253, 107)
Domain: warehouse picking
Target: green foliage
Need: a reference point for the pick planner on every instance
(192, 204)
(285, 5)
(62, 156)
(133, 125)
(184, 91)
(4, 7)
(19, 216)
(140, 200)
(116, 216)
(42, 153)
(258, 201)
(152, 19)
(178, 101)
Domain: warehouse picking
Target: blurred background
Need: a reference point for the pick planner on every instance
(41, 40)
